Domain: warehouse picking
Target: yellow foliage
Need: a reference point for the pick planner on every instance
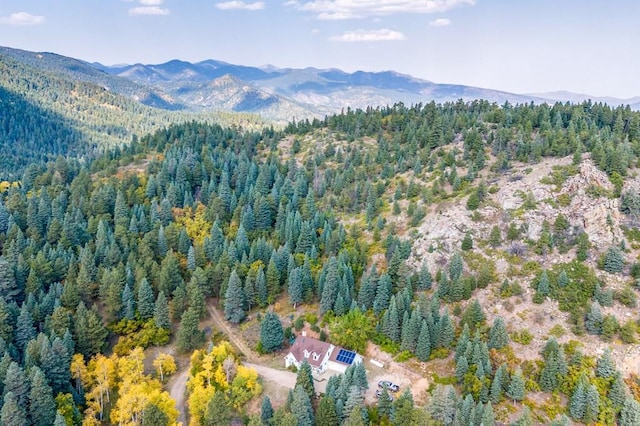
(135, 389)
(208, 376)
(194, 223)
(199, 397)
(165, 365)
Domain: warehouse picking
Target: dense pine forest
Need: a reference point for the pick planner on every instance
(108, 255)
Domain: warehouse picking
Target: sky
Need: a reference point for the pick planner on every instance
(583, 46)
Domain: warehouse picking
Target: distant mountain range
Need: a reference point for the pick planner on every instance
(278, 94)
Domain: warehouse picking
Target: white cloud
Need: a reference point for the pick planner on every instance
(149, 10)
(374, 35)
(240, 5)
(352, 9)
(22, 18)
(440, 22)
(151, 2)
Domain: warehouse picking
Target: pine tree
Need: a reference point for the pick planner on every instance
(301, 407)
(42, 406)
(146, 303)
(25, 331)
(578, 402)
(161, 312)
(495, 237)
(563, 279)
(402, 410)
(423, 349)
(154, 416)
(473, 315)
(593, 322)
(446, 331)
(488, 417)
(218, 411)
(384, 404)
(17, 384)
(304, 379)
(462, 367)
(424, 278)
(498, 336)
(12, 413)
(562, 420)
(591, 410)
(330, 287)
(266, 411)
(391, 327)
(128, 310)
(455, 268)
(618, 391)
(60, 421)
(271, 332)
(630, 414)
(90, 332)
(262, 293)
(295, 288)
(326, 414)
(613, 260)
(170, 277)
(516, 390)
(354, 401)
(604, 366)
(467, 242)
(234, 300)
(189, 337)
(56, 361)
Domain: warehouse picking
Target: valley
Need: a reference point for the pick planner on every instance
(167, 233)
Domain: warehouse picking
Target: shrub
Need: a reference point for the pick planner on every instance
(524, 337)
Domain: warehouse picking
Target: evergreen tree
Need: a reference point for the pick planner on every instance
(25, 331)
(266, 411)
(455, 268)
(604, 366)
(12, 413)
(326, 414)
(384, 404)
(234, 300)
(330, 287)
(354, 401)
(424, 277)
(488, 417)
(60, 421)
(8, 286)
(578, 402)
(42, 406)
(613, 260)
(473, 315)
(295, 288)
(146, 303)
(218, 412)
(495, 237)
(423, 349)
(304, 379)
(446, 331)
(462, 367)
(593, 322)
(355, 417)
(516, 390)
(90, 332)
(154, 416)
(170, 277)
(189, 337)
(498, 336)
(402, 410)
(17, 384)
(467, 242)
(301, 407)
(591, 410)
(271, 332)
(629, 416)
(128, 311)
(562, 420)
(563, 279)
(161, 312)
(618, 391)
(391, 327)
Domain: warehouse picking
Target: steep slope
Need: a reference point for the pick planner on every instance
(80, 71)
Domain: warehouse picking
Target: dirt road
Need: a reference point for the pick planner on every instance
(177, 388)
(238, 342)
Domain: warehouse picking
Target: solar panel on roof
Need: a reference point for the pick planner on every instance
(346, 356)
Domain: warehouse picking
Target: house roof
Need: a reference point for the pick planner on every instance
(312, 346)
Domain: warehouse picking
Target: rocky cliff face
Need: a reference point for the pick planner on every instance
(523, 199)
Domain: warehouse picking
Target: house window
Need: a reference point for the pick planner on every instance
(316, 357)
(306, 353)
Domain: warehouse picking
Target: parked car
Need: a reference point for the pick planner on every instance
(379, 394)
(390, 385)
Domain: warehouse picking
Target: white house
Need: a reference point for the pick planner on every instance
(321, 356)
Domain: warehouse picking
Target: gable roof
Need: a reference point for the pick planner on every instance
(312, 346)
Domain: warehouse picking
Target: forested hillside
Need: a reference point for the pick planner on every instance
(124, 251)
